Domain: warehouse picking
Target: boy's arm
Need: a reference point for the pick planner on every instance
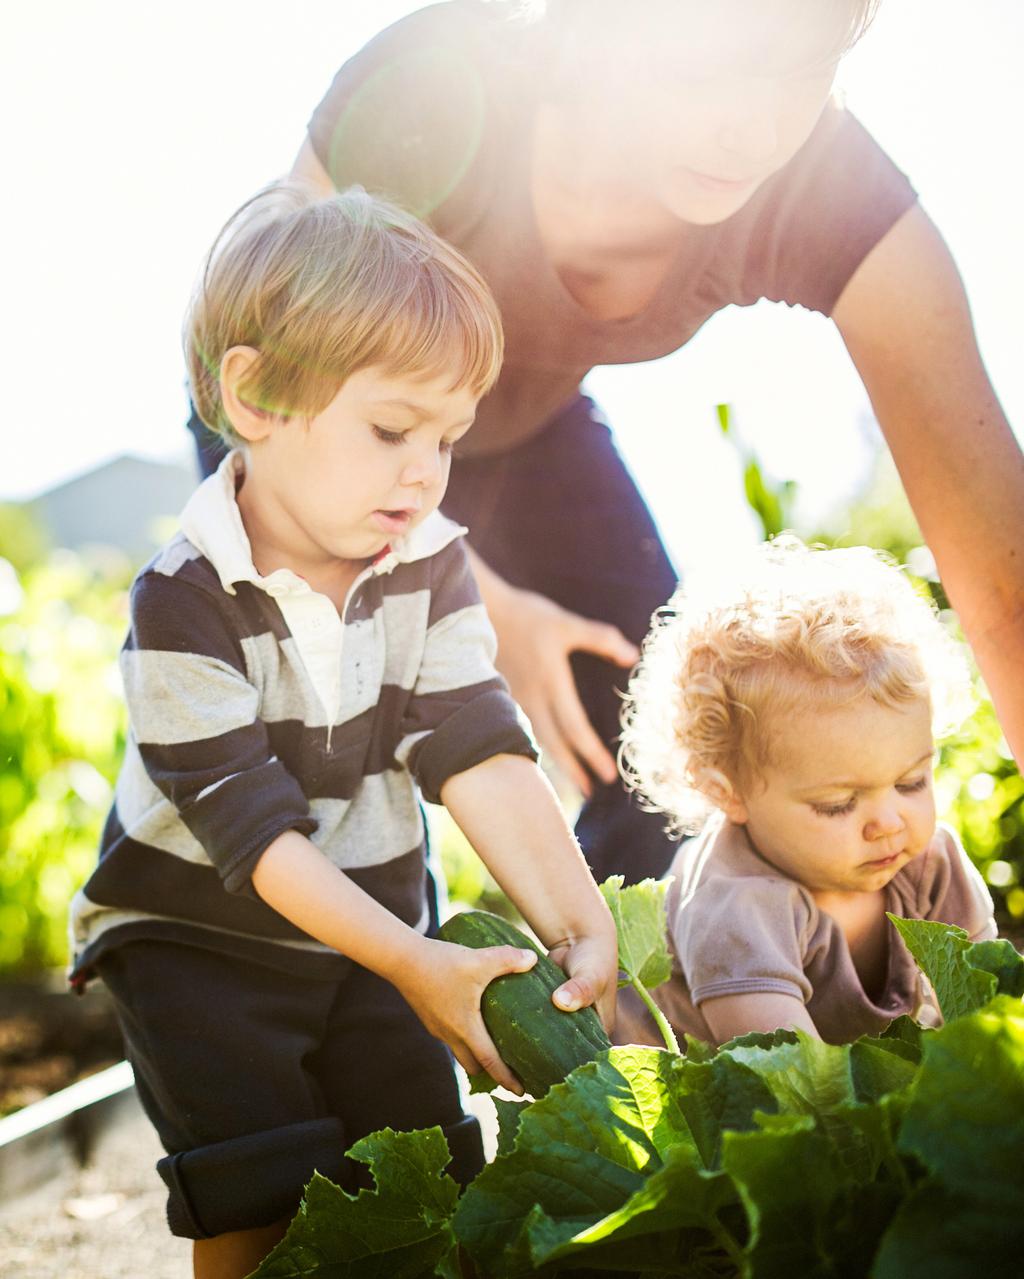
(511, 815)
(732, 1015)
(442, 983)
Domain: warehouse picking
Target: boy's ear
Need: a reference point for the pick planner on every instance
(250, 422)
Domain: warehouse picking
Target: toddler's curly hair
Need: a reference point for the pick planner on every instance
(799, 625)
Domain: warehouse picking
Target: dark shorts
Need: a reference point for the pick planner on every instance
(254, 1079)
(562, 515)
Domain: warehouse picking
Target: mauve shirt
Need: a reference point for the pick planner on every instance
(738, 926)
(436, 113)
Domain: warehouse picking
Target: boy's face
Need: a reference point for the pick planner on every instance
(848, 800)
(366, 470)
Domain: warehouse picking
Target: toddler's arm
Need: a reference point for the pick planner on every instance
(442, 983)
(512, 817)
(732, 1015)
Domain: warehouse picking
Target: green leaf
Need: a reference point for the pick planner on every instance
(400, 1230)
(964, 974)
(722, 410)
(639, 914)
(481, 1082)
(881, 1066)
(808, 1216)
(965, 1121)
(906, 1031)
(965, 1124)
(508, 1122)
(811, 1078)
(584, 1170)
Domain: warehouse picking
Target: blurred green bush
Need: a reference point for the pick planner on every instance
(62, 621)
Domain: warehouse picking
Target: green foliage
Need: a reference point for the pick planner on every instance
(400, 1230)
(772, 1156)
(61, 737)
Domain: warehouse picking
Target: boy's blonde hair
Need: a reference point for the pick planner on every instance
(798, 625)
(323, 287)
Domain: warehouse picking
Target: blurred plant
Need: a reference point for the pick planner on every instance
(772, 501)
(62, 620)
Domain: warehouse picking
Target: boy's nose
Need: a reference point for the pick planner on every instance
(427, 469)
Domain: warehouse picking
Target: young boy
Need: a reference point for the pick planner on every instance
(799, 700)
(308, 649)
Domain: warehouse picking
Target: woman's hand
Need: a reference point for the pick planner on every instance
(444, 987)
(535, 639)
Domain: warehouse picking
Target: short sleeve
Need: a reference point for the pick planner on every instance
(743, 936)
(815, 221)
(405, 116)
(953, 890)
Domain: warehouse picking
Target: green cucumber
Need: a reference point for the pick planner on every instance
(539, 1043)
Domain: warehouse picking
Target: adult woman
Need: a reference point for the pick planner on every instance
(619, 173)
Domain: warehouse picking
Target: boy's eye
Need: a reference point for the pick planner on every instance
(836, 810)
(907, 788)
(389, 437)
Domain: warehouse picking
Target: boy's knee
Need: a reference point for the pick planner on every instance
(250, 1181)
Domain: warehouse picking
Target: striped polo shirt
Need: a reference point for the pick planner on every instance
(255, 707)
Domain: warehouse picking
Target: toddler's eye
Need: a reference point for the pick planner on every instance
(907, 788)
(835, 810)
(389, 437)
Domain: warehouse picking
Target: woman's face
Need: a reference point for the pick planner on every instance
(706, 101)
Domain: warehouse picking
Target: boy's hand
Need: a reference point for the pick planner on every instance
(592, 966)
(444, 988)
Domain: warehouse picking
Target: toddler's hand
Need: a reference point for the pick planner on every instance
(591, 963)
(444, 990)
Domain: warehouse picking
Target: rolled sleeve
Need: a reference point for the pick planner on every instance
(491, 724)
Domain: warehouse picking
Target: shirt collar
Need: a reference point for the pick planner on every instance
(213, 524)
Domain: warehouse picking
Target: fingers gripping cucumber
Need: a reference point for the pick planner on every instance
(539, 1043)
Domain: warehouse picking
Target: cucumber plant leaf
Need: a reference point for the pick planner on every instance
(964, 974)
(400, 1230)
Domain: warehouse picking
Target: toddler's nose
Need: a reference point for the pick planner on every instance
(884, 824)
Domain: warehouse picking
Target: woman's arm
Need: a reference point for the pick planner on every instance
(905, 320)
(732, 1015)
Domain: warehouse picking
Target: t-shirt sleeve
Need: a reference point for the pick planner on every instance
(460, 712)
(815, 221)
(404, 117)
(743, 936)
(953, 891)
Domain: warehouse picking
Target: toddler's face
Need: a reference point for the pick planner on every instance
(370, 467)
(848, 801)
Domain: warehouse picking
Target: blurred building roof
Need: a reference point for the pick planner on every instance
(130, 503)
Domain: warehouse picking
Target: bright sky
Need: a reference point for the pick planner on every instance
(135, 129)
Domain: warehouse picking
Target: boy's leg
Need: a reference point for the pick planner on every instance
(235, 1255)
(218, 1045)
(562, 515)
(379, 1067)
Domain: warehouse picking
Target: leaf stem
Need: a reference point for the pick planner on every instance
(661, 1021)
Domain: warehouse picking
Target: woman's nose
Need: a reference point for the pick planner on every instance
(751, 137)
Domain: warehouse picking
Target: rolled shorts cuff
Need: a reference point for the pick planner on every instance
(250, 1181)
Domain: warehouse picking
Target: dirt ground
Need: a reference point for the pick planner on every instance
(106, 1221)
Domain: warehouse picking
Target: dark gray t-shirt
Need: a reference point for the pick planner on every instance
(436, 114)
